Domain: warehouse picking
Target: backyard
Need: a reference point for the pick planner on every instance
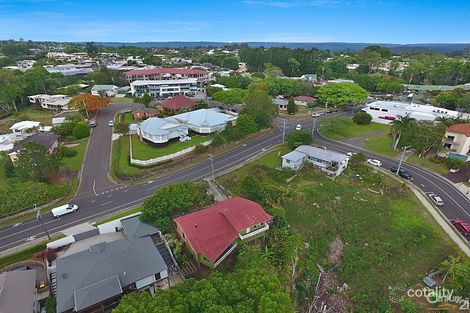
(387, 237)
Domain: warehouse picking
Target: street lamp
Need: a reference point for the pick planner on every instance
(39, 218)
(211, 158)
(401, 159)
(313, 125)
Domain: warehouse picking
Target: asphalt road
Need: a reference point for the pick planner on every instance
(107, 197)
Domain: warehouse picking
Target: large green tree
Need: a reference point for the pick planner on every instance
(260, 107)
(35, 163)
(341, 94)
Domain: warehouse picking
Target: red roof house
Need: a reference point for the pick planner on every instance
(212, 233)
(460, 129)
(177, 103)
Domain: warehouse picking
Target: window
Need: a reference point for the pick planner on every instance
(450, 138)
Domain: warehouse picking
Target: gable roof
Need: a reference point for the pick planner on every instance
(134, 227)
(103, 87)
(100, 291)
(323, 154)
(17, 291)
(158, 126)
(129, 259)
(178, 102)
(211, 230)
(46, 139)
(203, 118)
(305, 98)
(460, 129)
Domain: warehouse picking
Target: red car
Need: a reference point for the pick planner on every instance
(462, 227)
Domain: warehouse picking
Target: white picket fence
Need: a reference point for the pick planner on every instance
(163, 158)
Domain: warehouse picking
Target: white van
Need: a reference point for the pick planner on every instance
(64, 209)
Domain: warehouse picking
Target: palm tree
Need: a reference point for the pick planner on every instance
(399, 126)
(451, 267)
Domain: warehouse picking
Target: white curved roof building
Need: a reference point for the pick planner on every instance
(161, 130)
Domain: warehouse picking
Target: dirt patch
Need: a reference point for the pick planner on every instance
(61, 177)
(331, 293)
(336, 250)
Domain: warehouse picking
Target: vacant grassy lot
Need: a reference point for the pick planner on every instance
(374, 136)
(389, 240)
(75, 163)
(436, 167)
(2, 169)
(144, 151)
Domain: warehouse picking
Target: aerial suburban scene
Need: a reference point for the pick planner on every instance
(237, 156)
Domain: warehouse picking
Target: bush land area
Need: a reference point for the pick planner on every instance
(389, 239)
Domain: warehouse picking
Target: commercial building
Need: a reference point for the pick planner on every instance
(202, 77)
(386, 112)
(164, 88)
(457, 142)
(330, 162)
(214, 232)
(51, 102)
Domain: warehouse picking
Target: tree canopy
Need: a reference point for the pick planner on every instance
(341, 94)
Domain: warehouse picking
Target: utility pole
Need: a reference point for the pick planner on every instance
(401, 159)
(313, 126)
(211, 158)
(283, 131)
(38, 217)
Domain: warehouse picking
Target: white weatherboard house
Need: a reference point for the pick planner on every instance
(51, 102)
(386, 112)
(333, 163)
(204, 121)
(161, 130)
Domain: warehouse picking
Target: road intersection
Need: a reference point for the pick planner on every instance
(97, 196)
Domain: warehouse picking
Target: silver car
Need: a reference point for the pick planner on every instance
(435, 199)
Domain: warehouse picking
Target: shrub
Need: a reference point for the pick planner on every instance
(298, 138)
(9, 168)
(453, 163)
(50, 305)
(218, 140)
(81, 130)
(200, 149)
(311, 105)
(70, 138)
(362, 118)
(66, 152)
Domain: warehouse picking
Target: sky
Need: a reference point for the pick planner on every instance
(380, 21)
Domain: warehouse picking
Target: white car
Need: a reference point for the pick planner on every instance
(437, 200)
(350, 154)
(111, 123)
(316, 114)
(298, 127)
(374, 162)
(64, 209)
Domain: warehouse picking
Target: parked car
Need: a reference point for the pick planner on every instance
(462, 227)
(374, 162)
(298, 127)
(402, 172)
(64, 209)
(350, 154)
(92, 123)
(317, 114)
(111, 123)
(435, 199)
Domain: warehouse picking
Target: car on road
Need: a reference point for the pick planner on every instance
(402, 172)
(298, 127)
(92, 123)
(317, 114)
(111, 123)
(374, 162)
(462, 227)
(64, 209)
(435, 199)
(350, 154)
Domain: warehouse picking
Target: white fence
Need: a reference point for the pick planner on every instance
(162, 158)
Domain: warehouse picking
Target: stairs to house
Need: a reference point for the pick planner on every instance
(54, 283)
(167, 257)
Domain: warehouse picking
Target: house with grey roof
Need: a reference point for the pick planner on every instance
(18, 292)
(96, 274)
(330, 162)
(49, 140)
(204, 121)
(106, 90)
(161, 130)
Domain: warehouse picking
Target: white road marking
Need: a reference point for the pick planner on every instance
(103, 204)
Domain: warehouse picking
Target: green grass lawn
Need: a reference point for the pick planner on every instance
(144, 151)
(127, 118)
(75, 163)
(2, 169)
(38, 115)
(121, 158)
(374, 136)
(439, 168)
(273, 159)
(389, 240)
(123, 99)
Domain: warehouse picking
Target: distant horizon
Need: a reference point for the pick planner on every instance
(289, 21)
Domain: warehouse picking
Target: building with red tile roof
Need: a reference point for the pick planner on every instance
(177, 103)
(457, 141)
(168, 73)
(213, 233)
